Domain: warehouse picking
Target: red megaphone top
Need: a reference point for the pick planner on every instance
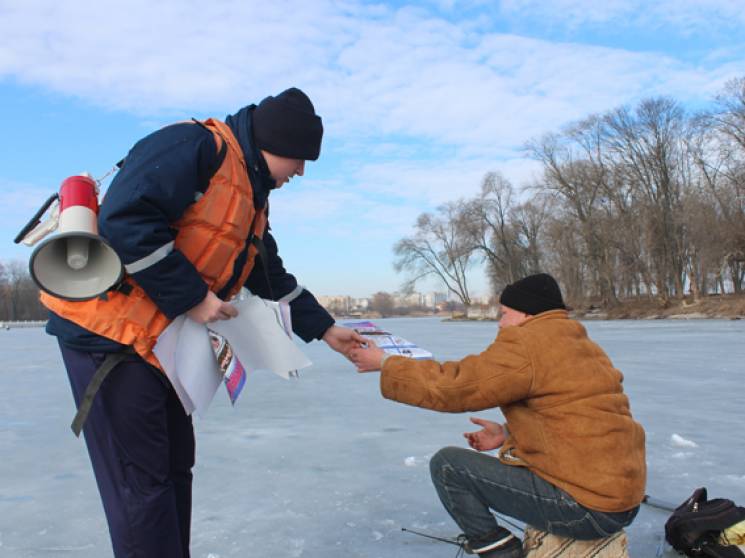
(78, 190)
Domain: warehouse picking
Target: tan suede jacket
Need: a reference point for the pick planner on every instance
(569, 421)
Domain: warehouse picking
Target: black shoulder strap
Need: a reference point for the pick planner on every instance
(261, 249)
(94, 385)
(255, 240)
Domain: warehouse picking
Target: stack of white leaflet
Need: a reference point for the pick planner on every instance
(257, 336)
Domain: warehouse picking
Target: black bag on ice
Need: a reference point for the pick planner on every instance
(694, 527)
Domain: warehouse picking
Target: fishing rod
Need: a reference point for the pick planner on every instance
(460, 541)
(456, 541)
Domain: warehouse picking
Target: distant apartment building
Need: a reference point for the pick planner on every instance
(336, 304)
(360, 304)
(343, 304)
(484, 300)
(413, 300)
(432, 299)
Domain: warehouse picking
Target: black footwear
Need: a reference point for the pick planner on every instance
(499, 543)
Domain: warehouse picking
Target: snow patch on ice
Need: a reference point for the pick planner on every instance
(377, 535)
(679, 442)
(67, 548)
(298, 546)
(737, 479)
(682, 455)
(410, 461)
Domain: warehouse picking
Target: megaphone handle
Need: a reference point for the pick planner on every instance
(36, 219)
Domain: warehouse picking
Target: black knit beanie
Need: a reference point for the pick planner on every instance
(533, 294)
(287, 126)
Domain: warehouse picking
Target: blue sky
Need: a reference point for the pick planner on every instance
(419, 100)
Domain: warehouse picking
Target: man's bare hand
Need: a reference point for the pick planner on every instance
(212, 309)
(342, 339)
(367, 359)
(490, 437)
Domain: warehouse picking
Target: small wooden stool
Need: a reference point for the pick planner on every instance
(539, 544)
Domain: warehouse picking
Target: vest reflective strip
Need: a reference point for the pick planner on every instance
(292, 295)
(150, 260)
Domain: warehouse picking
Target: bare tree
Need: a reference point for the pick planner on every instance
(489, 227)
(382, 302)
(563, 254)
(529, 219)
(438, 248)
(729, 113)
(639, 201)
(649, 144)
(573, 172)
(719, 152)
(20, 294)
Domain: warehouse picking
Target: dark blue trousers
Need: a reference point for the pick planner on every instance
(141, 444)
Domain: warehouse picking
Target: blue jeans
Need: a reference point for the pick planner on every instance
(470, 483)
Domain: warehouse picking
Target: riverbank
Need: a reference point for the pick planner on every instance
(730, 306)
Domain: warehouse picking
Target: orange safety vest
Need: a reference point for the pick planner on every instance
(212, 233)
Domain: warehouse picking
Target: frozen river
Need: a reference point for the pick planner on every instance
(322, 466)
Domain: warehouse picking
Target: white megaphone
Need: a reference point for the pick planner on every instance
(76, 263)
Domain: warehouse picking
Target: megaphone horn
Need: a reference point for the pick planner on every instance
(76, 263)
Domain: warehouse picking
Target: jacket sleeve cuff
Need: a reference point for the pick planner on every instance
(386, 356)
(310, 320)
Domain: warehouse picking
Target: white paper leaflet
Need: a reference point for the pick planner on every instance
(390, 343)
(256, 340)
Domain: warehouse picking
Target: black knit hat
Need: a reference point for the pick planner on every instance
(287, 126)
(533, 294)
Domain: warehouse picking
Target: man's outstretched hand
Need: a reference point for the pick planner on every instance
(367, 359)
(343, 339)
(490, 437)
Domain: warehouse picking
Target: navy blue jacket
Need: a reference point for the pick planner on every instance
(163, 174)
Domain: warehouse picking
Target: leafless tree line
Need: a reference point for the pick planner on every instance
(643, 201)
(20, 296)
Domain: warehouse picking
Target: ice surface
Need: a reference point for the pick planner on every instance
(680, 442)
(323, 467)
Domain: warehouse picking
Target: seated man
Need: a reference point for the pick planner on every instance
(572, 458)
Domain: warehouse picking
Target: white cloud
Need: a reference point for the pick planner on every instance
(688, 17)
(313, 203)
(419, 102)
(22, 198)
(19, 201)
(572, 12)
(375, 73)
